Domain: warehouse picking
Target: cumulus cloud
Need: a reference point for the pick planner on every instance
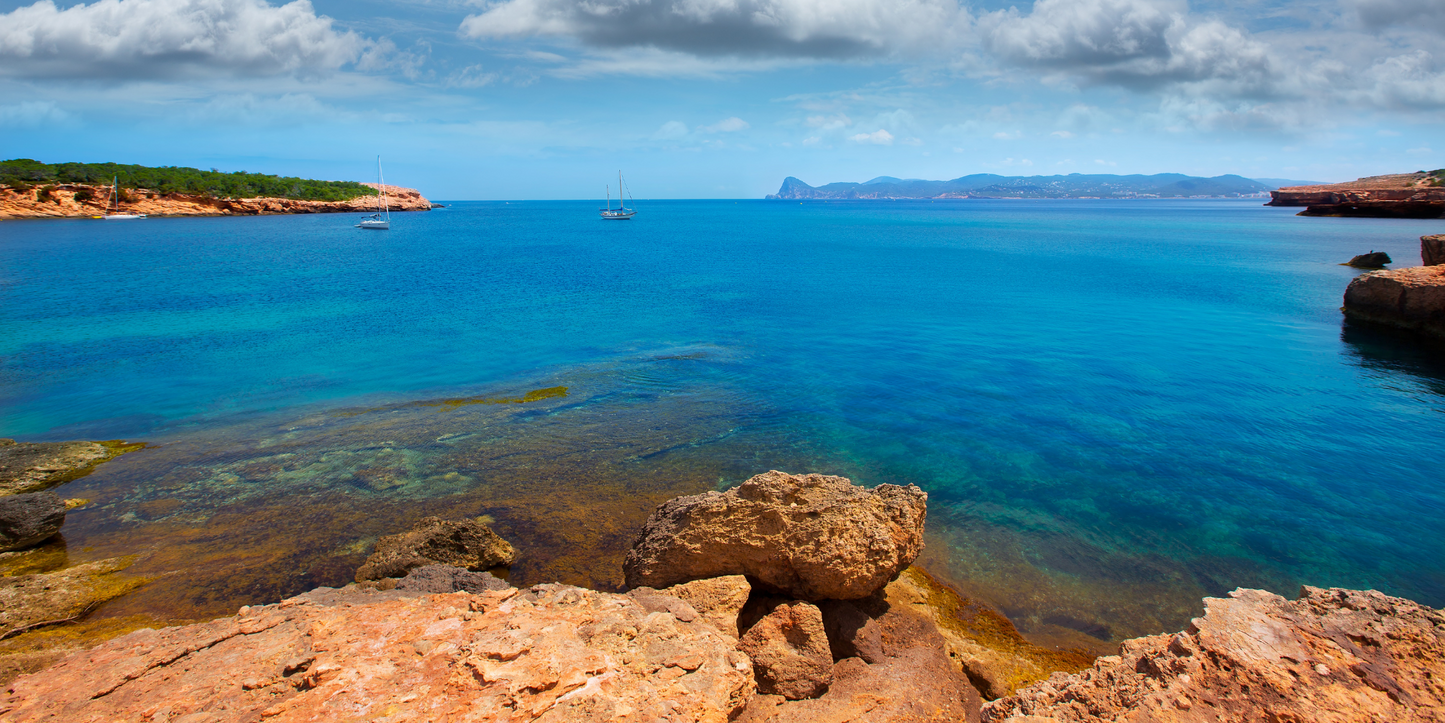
(168, 38)
(879, 137)
(838, 29)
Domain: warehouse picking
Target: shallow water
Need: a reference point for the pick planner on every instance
(1116, 407)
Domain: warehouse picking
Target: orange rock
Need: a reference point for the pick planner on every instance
(16, 204)
(1411, 298)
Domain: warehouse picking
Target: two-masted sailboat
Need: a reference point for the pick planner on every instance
(381, 220)
(622, 213)
(112, 204)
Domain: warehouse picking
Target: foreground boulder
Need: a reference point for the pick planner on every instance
(1331, 655)
(466, 544)
(548, 653)
(810, 536)
(1411, 298)
(1372, 260)
(29, 519)
(1432, 250)
(789, 650)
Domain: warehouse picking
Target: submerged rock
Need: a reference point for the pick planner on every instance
(1411, 298)
(29, 519)
(548, 653)
(789, 650)
(34, 466)
(449, 578)
(433, 541)
(1372, 260)
(809, 536)
(1339, 655)
(28, 600)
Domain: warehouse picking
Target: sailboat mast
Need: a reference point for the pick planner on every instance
(380, 181)
(619, 190)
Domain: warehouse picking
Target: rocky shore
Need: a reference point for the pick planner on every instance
(1405, 195)
(1411, 299)
(17, 204)
(789, 598)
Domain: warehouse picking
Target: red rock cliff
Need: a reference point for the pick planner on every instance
(1406, 195)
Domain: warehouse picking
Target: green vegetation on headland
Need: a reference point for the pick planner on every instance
(23, 173)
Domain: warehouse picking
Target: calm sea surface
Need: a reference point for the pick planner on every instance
(1116, 407)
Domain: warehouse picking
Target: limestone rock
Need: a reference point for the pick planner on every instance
(34, 466)
(548, 653)
(29, 599)
(812, 536)
(1372, 260)
(790, 651)
(1331, 655)
(1432, 250)
(433, 541)
(448, 578)
(1411, 298)
(718, 600)
(657, 602)
(851, 633)
(29, 519)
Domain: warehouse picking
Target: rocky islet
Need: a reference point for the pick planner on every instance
(1412, 299)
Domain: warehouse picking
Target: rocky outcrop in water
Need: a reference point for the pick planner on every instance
(1432, 250)
(467, 544)
(812, 537)
(1412, 299)
(1405, 195)
(29, 519)
(548, 653)
(34, 466)
(1331, 655)
(63, 204)
(1371, 260)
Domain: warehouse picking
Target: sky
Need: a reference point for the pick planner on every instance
(548, 99)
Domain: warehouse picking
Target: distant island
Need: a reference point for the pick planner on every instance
(31, 189)
(1073, 185)
(1402, 195)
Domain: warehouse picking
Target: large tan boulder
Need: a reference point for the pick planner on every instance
(811, 536)
(1432, 250)
(1331, 655)
(789, 650)
(548, 653)
(466, 544)
(1411, 298)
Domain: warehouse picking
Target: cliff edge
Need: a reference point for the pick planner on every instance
(73, 200)
(1403, 195)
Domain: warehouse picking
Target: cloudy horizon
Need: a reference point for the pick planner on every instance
(724, 98)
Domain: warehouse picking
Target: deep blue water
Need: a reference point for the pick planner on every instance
(1115, 406)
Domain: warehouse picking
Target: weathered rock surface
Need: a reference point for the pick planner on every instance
(851, 633)
(34, 466)
(1411, 298)
(718, 600)
(1371, 260)
(1432, 250)
(29, 519)
(433, 541)
(438, 579)
(789, 650)
(812, 536)
(1404, 195)
(18, 204)
(548, 653)
(26, 600)
(1331, 655)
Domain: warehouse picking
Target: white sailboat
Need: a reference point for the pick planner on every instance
(113, 203)
(622, 213)
(381, 220)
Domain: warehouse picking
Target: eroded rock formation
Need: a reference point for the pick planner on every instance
(1432, 250)
(1371, 260)
(812, 537)
(1405, 195)
(1411, 298)
(1331, 655)
(24, 204)
(548, 653)
(466, 544)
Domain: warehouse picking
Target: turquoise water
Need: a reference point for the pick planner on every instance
(1116, 407)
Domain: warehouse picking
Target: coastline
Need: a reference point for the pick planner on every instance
(1404, 195)
(21, 205)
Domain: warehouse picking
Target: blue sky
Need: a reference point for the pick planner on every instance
(545, 99)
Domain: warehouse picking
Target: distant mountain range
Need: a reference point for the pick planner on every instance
(1074, 185)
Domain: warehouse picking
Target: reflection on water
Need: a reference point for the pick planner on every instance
(1394, 354)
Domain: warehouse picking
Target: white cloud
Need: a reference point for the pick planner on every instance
(726, 125)
(1062, 134)
(472, 76)
(782, 28)
(1007, 135)
(670, 130)
(166, 38)
(879, 137)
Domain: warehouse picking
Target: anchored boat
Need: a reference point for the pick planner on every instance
(622, 212)
(381, 220)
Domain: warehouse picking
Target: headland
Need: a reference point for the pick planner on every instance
(1400, 195)
(988, 185)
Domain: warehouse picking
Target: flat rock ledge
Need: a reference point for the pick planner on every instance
(812, 537)
(35, 466)
(1330, 655)
(1412, 299)
(547, 653)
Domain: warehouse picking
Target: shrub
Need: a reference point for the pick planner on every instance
(45, 194)
(83, 195)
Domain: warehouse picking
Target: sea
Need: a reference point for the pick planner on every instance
(1117, 408)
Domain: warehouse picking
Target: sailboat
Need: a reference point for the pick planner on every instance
(113, 203)
(381, 220)
(623, 212)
